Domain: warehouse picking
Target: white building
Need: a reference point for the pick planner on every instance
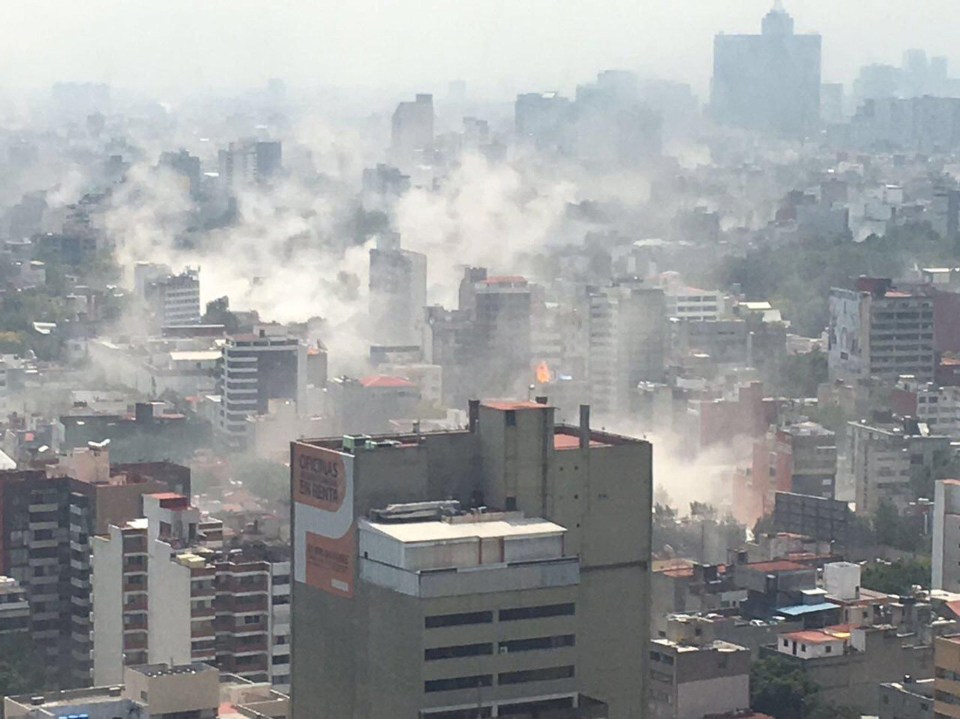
(946, 536)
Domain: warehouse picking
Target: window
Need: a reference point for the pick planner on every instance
(511, 417)
(828, 650)
(562, 640)
(545, 610)
(461, 650)
(251, 619)
(453, 620)
(448, 685)
(535, 675)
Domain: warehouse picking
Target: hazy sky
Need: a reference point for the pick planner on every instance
(497, 46)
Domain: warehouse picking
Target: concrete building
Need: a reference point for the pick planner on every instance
(257, 368)
(45, 527)
(418, 578)
(175, 299)
(887, 456)
(804, 459)
(249, 162)
(542, 119)
(913, 124)
(946, 677)
(690, 303)
(879, 331)
(412, 129)
(398, 292)
(367, 405)
(627, 341)
(907, 699)
(512, 457)
(689, 681)
(849, 662)
(158, 691)
(945, 560)
(937, 407)
(768, 82)
(164, 586)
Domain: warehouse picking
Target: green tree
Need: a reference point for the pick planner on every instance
(802, 374)
(780, 688)
(896, 577)
(22, 669)
(268, 480)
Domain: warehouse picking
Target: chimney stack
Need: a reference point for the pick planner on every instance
(584, 426)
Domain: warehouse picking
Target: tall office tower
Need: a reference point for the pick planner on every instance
(946, 536)
(185, 165)
(542, 119)
(369, 594)
(250, 162)
(164, 588)
(768, 82)
(880, 331)
(627, 329)
(500, 342)
(255, 369)
(398, 292)
(412, 128)
(45, 528)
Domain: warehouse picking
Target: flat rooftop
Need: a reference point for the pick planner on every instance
(440, 531)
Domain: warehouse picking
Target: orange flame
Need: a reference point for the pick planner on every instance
(543, 373)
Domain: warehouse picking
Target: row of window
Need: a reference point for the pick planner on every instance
(476, 681)
(505, 647)
(504, 615)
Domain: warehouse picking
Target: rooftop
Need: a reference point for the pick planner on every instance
(505, 405)
(778, 565)
(440, 531)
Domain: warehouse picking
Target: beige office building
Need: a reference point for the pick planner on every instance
(350, 631)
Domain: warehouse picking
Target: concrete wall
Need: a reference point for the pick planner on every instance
(168, 613)
(107, 609)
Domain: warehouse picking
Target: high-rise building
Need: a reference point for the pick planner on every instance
(164, 586)
(543, 120)
(362, 590)
(45, 527)
(412, 128)
(398, 292)
(879, 331)
(255, 369)
(250, 162)
(946, 536)
(627, 342)
(768, 82)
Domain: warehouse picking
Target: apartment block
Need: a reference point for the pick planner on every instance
(165, 586)
(886, 455)
(880, 331)
(255, 369)
(946, 536)
(595, 487)
(46, 521)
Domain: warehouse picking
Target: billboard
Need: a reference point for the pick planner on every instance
(325, 537)
(844, 353)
